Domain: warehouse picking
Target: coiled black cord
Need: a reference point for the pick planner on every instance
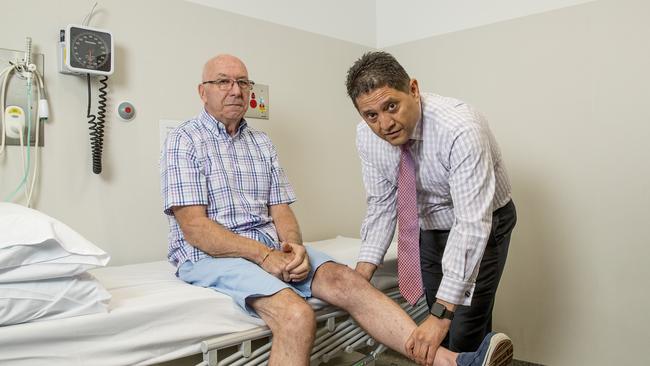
(97, 124)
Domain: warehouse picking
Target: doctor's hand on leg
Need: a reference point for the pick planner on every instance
(425, 340)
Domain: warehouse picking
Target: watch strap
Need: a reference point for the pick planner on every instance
(440, 311)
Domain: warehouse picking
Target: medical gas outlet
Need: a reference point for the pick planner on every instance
(14, 121)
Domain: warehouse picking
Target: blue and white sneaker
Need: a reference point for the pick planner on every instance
(495, 350)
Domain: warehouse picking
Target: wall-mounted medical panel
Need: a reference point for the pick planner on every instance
(258, 105)
(16, 92)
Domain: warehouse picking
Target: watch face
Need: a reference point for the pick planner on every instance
(440, 311)
(90, 49)
(437, 310)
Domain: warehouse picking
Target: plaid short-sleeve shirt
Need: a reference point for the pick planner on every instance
(237, 177)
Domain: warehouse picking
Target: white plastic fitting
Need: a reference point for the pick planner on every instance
(14, 121)
(43, 109)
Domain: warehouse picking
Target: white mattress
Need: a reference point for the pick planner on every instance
(153, 317)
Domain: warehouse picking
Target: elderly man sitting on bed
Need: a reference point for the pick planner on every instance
(232, 230)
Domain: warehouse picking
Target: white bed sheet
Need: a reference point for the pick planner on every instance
(153, 317)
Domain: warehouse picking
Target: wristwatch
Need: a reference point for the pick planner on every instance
(440, 311)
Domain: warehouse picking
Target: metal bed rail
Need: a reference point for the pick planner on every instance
(337, 333)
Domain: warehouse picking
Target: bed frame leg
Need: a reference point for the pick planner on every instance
(245, 348)
(210, 358)
(331, 324)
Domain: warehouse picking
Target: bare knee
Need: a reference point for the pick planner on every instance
(339, 281)
(299, 319)
(287, 313)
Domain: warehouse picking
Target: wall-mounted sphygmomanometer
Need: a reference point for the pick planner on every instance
(89, 51)
(86, 50)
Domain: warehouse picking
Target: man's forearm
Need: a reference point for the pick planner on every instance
(290, 235)
(366, 269)
(447, 304)
(461, 270)
(217, 241)
(286, 224)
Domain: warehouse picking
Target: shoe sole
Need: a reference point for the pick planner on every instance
(500, 351)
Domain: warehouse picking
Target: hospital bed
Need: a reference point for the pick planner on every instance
(154, 317)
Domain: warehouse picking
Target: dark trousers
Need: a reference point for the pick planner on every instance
(471, 323)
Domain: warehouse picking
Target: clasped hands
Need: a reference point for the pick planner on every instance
(290, 264)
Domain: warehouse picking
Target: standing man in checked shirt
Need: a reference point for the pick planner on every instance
(461, 196)
(232, 230)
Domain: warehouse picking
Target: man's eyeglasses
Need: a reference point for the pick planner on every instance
(226, 84)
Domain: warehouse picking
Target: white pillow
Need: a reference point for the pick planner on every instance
(57, 298)
(34, 246)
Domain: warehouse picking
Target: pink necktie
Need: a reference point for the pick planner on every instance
(408, 236)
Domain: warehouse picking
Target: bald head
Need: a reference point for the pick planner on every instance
(227, 104)
(220, 64)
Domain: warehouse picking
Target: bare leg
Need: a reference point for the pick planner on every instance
(380, 316)
(293, 325)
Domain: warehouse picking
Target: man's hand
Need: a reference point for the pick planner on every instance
(423, 343)
(299, 267)
(366, 269)
(276, 263)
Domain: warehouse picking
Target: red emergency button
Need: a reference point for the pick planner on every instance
(126, 111)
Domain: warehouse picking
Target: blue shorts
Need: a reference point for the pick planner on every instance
(242, 279)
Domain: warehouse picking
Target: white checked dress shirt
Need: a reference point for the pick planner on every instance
(461, 180)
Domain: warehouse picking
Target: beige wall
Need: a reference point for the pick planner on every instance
(161, 48)
(566, 93)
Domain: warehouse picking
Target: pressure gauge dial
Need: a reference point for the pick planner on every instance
(89, 50)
